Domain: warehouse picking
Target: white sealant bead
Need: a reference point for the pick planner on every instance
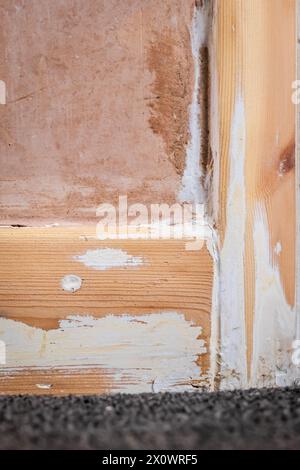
(71, 283)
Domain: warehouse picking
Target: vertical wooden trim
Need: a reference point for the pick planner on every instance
(255, 69)
(297, 165)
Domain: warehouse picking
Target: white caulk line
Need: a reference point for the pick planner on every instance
(214, 129)
(192, 190)
(232, 302)
(108, 258)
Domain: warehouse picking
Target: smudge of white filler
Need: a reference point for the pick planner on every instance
(2, 92)
(44, 386)
(232, 302)
(278, 248)
(274, 320)
(71, 283)
(108, 258)
(191, 190)
(142, 353)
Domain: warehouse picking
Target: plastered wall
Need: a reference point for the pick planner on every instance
(97, 105)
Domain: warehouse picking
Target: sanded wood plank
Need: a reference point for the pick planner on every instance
(254, 53)
(166, 293)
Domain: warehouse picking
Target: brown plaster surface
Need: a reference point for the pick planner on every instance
(97, 105)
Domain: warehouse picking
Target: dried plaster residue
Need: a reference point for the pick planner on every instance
(170, 61)
(232, 297)
(143, 353)
(107, 258)
(274, 321)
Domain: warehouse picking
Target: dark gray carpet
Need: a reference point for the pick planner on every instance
(265, 419)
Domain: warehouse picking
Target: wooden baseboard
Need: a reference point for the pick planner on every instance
(140, 326)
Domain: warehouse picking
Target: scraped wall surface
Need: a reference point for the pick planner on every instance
(98, 96)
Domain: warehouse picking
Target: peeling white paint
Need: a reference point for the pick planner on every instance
(71, 283)
(108, 258)
(44, 386)
(2, 352)
(192, 190)
(274, 320)
(156, 351)
(296, 353)
(232, 302)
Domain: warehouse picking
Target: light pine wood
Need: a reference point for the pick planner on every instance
(255, 59)
(297, 168)
(56, 382)
(33, 262)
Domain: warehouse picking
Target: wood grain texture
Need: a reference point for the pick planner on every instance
(56, 382)
(34, 260)
(255, 51)
(297, 168)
